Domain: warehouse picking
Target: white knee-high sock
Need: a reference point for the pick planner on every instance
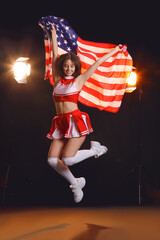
(79, 157)
(62, 169)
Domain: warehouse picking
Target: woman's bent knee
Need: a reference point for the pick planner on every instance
(69, 161)
(52, 161)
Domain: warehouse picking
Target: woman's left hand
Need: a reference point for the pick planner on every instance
(52, 27)
(41, 25)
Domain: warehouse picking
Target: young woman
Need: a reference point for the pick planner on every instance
(70, 126)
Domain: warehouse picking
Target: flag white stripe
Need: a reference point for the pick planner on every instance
(105, 92)
(97, 101)
(102, 79)
(98, 49)
(61, 51)
(113, 68)
(94, 49)
(111, 59)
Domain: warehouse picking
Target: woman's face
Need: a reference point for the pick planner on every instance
(68, 67)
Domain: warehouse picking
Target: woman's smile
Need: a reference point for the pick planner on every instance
(68, 67)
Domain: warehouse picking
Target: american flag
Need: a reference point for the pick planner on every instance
(106, 87)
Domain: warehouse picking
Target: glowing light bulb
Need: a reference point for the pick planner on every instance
(132, 79)
(21, 69)
(131, 82)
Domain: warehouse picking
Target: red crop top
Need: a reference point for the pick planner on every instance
(66, 91)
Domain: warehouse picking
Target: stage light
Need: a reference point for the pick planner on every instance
(131, 82)
(22, 69)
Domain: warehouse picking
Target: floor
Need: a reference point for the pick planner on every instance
(51, 223)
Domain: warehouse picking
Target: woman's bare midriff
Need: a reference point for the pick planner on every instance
(65, 107)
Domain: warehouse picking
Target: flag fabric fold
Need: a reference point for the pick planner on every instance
(106, 87)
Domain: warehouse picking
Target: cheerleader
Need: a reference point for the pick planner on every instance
(70, 126)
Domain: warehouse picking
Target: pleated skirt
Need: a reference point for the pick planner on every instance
(70, 125)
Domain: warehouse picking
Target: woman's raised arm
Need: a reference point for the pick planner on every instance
(55, 53)
(45, 30)
(54, 48)
(85, 76)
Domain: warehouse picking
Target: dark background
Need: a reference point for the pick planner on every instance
(27, 110)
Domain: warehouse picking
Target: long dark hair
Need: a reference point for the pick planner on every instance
(60, 61)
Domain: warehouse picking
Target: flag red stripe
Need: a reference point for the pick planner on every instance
(107, 85)
(91, 104)
(110, 74)
(95, 44)
(88, 53)
(122, 61)
(102, 97)
(47, 49)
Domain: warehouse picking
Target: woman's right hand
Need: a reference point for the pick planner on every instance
(123, 47)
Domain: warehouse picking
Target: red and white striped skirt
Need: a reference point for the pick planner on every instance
(70, 125)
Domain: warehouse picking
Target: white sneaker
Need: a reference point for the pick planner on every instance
(77, 189)
(98, 148)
